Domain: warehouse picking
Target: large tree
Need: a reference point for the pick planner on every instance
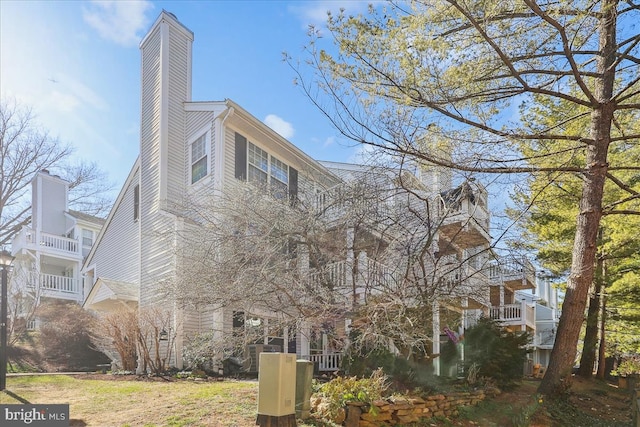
(26, 149)
(551, 203)
(412, 77)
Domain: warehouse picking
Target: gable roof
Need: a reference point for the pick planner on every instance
(108, 291)
(86, 217)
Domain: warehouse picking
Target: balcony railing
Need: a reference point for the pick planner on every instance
(514, 314)
(55, 285)
(58, 283)
(27, 238)
(471, 207)
(513, 270)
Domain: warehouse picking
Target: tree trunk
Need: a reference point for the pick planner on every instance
(556, 379)
(588, 358)
(602, 361)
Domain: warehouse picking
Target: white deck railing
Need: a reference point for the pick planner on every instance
(326, 362)
(59, 243)
(58, 283)
(514, 314)
(28, 238)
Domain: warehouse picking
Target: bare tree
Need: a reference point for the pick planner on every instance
(156, 337)
(441, 81)
(367, 248)
(25, 150)
(116, 335)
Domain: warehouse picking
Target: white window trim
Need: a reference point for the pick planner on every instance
(86, 230)
(206, 131)
(269, 171)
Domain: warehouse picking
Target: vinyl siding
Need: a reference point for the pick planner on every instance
(308, 180)
(117, 256)
(178, 93)
(162, 99)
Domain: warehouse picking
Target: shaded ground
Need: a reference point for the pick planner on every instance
(590, 403)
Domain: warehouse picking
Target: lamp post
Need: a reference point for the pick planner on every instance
(5, 261)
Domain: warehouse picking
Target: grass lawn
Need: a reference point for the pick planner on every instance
(104, 400)
(132, 402)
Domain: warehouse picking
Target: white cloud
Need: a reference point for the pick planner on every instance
(281, 126)
(329, 142)
(122, 22)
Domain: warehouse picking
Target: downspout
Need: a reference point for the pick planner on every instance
(219, 153)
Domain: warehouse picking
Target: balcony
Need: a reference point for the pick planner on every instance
(464, 216)
(514, 273)
(343, 199)
(518, 316)
(46, 243)
(55, 286)
(370, 276)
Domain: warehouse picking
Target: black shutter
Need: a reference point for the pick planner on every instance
(241, 157)
(293, 184)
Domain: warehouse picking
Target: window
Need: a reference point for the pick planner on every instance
(258, 164)
(254, 164)
(279, 177)
(199, 159)
(136, 202)
(87, 237)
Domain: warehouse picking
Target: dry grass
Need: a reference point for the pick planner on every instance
(119, 401)
(134, 402)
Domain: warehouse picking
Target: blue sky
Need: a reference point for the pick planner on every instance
(77, 64)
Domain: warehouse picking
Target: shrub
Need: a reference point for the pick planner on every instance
(402, 373)
(629, 366)
(495, 352)
(65, 338)
(340, 390)
(199, 351)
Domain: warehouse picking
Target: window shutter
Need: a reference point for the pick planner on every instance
(293, 184)
(241, 157)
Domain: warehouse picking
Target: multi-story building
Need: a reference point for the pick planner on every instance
(49, 251)
(187, 147)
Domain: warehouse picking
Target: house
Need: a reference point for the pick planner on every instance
(545, 299)
(49, 251)
(190, 147)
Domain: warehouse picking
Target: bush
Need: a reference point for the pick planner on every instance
(495, 352)
(402, 373)
(340, 390)
(64, 337)
(199, 351)
(629, 366)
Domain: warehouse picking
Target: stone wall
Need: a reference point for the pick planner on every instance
(404, 410)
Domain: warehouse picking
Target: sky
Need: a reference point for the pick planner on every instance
(77, 65)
